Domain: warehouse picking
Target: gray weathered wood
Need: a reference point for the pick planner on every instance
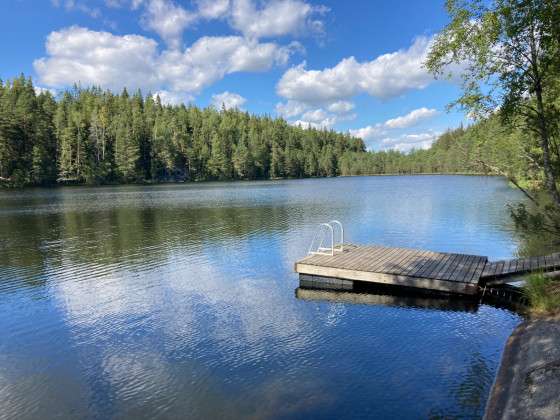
(441, 266)
(457, 269)
(465, 275)
(548, 261)
(416, 268)
(448, 269)
(541, 261)
(428, 268)
(477, 274)
(556, 260)
(527, 263)
(507, 266)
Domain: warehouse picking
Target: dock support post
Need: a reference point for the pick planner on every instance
(319, 282)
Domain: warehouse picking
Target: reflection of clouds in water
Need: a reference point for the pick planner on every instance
(178, 301)
(138, 376)
(245, 310)
(150, 329)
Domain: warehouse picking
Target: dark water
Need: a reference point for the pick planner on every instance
(178, 301)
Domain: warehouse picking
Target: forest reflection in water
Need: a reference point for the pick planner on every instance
(178, 301)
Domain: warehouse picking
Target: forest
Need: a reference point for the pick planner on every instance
(92, 136)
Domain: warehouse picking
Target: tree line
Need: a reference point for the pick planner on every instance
(91, 136)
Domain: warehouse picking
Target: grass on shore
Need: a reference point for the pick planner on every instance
(543, 294)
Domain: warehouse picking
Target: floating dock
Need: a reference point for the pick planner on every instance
(436, 271)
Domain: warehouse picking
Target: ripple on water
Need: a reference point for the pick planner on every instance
(178, 301)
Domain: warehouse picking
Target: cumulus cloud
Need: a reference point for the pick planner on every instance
(230, 100)
(410, 120)
(133, 4)
(289, 109)
(168, 21)
(213, 9)
(255, 19)
(98, 58)
(367, 133)
(276, 18)
(71, 5)
(388, 76)
(171, 98)
(210, 58)
(316, 115)
(406, 142)
(38, 90)
(377, 136)
(341, 107)
(319, 118)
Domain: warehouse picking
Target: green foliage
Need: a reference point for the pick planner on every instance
(543, 294)
(507, 56)
(92, 136)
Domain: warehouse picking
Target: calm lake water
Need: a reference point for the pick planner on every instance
(178, 301)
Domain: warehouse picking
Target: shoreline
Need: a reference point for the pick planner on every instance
(527, 384)
(5, 184)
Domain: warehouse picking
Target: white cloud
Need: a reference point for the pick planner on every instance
(134, 4)
(168, 20)
(230, 100)
(213, 9)
(341, 107)
(316, 88)
(210, 58)
(277, 18)
(253, 19)
(39, 90)
(98, 58)
(71, 5)
(377, 139)
(387, 76)
(367, 133)
(320, 119)
(316, 115)
(410, 120)
(290, 109)
(406, 142)
(172, 98)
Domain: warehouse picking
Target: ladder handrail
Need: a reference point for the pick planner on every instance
(322, 239)
(320, 249)
(341, 233)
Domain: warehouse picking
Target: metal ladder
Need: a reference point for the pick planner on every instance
(325, 228)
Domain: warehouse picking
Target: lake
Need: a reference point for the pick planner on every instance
(179, 301)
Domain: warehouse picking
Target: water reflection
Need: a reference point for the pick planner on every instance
(405, 301)
(177, 301)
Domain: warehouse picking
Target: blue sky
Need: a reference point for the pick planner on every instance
(347, 65)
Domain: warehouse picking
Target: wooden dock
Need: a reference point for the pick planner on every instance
(439, 271)
(499, 272)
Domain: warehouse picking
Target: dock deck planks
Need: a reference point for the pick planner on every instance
(439, 271)
(502, 269)
(407, 267)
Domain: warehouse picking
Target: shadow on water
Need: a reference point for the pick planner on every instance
(176, 301)
(505, 297)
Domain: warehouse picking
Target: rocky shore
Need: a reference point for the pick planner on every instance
(527, 385)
